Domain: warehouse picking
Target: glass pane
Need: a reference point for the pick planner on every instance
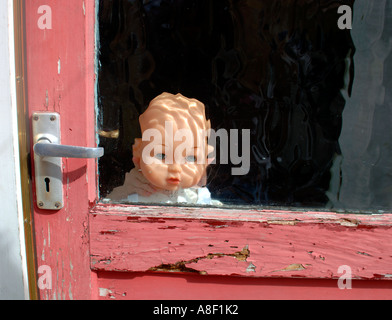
(301, 91)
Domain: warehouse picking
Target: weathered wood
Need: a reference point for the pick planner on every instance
(60, 69)
(240, 242)
(151, 240)
(178, 286)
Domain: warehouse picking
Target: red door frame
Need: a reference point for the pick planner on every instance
(61, 77)
(85, 245)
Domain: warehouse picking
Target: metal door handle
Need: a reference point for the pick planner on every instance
(45, 148)
(48, 152)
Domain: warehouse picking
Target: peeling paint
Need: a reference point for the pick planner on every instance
(364, 253)
(103, 292)
(70, 292)
(309, 245)
(48, 234)
(251, 268)
(293, 267)
(109, 232)
(111, 294)
(46, 99)
(181, 265)
(283, 222)
(316, 255)
(349, 222)
(178, 267)
(100, 261)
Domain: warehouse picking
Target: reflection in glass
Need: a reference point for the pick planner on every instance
(316, 99)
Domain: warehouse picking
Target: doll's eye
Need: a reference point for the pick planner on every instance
(190, 158)
(160, 156)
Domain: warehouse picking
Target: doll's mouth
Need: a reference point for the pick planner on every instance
(174, 181)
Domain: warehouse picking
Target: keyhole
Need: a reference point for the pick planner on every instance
(47, 181)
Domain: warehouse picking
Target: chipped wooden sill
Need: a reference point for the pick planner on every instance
(252, 243)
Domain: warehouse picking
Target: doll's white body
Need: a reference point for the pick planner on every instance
(197, 195)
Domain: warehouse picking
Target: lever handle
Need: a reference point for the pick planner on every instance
(45, 149)
(48, 164)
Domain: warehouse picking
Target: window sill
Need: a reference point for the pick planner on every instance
(251, 243)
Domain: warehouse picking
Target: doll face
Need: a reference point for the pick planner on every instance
(174, 151)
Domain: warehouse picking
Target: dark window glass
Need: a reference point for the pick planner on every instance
(316, 98)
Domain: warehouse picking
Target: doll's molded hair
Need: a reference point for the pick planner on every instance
(178, 105)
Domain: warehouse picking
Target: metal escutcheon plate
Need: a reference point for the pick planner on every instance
(48, 170)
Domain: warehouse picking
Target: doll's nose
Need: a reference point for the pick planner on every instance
(174, 168)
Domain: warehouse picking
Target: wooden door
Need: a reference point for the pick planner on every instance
(92, 250)
(60, 77)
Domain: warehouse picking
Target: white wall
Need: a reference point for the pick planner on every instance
(13, 275)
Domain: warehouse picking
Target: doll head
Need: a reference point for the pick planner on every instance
(172, 153)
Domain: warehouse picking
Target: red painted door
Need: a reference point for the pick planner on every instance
(89, 250)
(60, 78)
